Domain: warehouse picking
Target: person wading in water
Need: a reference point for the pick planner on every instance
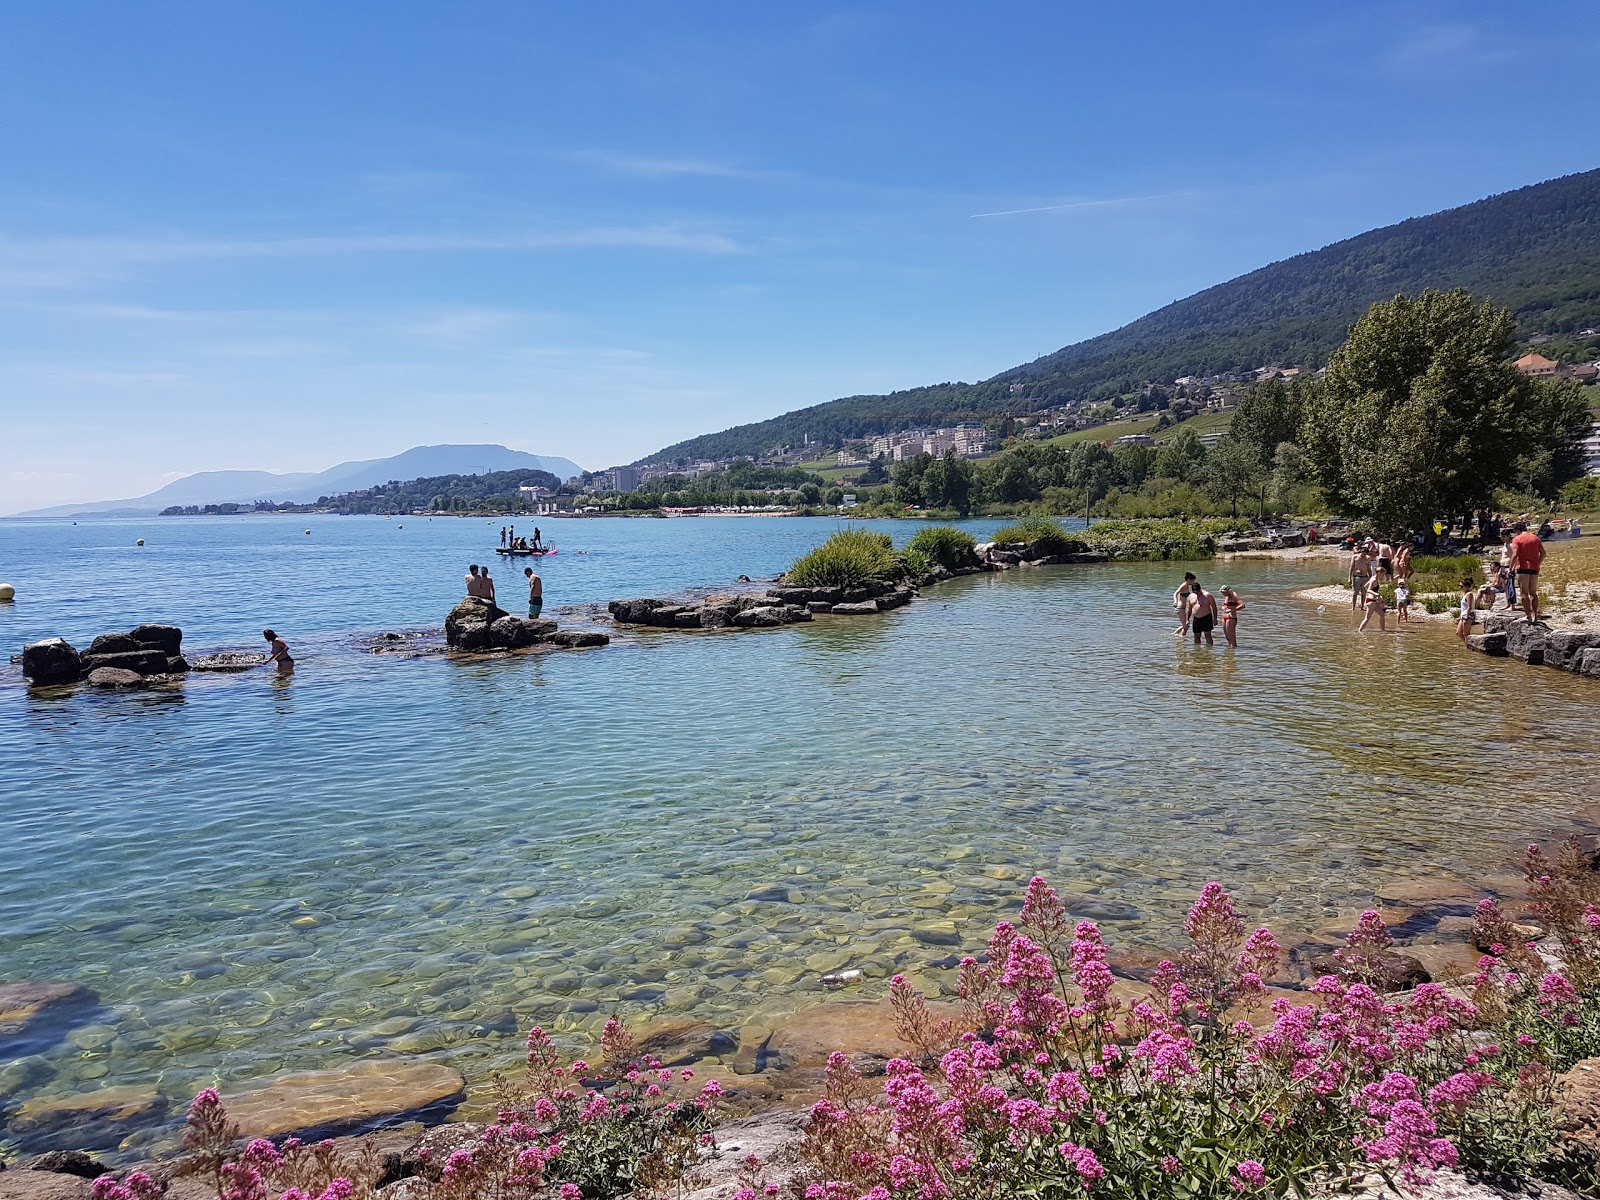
(1202, 612)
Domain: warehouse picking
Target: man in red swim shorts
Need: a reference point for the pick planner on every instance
(1527, 556)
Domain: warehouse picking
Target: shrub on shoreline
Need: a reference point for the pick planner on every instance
(1161, 538)
(1044, 534)
(945, 546)
(848, 558)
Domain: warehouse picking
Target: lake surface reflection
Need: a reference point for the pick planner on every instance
(382, 855)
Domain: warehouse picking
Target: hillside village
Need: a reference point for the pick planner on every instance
(1145, 418)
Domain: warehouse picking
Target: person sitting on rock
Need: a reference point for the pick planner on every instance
(486, 584)
(474, 582)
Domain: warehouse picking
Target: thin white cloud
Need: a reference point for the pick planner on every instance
(1109, 202)
(650, 167)
(68, 262)
(1446, 47)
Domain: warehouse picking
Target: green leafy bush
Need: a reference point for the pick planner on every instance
(950, 548)
(1164, 538)
(848, 559)
(1045, 535)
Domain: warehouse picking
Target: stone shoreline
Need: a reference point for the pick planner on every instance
(770, 1074)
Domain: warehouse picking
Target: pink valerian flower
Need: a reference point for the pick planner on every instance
(1026, 963)
(338, 1189)
(137, 1186)
(1089, 969)
(1083, 1161)
(1042, 910)
(1168, 1055)
(1370, 932)
(1460, 1089)
(571, 1191)
(1408, 1136)
(1170, 1165)
(1066, 1090)
(1249, 1176)
(1261, 954)
(240, 1182)
(1556, 993)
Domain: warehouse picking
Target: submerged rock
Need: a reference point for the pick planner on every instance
(578, 639)
(365, 1093)
(31, 1010)
(98, 1119)
(70, 1162)
(226, 661)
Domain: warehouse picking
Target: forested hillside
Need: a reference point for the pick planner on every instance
(1535, 250)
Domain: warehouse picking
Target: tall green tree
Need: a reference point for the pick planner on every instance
(1232, 469)
(1421, 412)
(1268, 415)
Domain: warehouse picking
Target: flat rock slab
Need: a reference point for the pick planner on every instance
(114, 677)
(35, 1011)
(97, 1120)
(366, 1093)
(1429, 894)
(1493, 644)
(42, 1185)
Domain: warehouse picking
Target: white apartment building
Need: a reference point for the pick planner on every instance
(1591, 451)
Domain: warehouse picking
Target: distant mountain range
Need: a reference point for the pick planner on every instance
(1535, 250)
(246, 487)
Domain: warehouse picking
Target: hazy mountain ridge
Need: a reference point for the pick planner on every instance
(1535, 250)
(246, 487)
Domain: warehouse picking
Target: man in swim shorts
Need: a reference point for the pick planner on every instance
(1202, 612)
(535, 593)
(1527, 554)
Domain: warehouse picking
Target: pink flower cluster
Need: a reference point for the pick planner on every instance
(1055, 1069)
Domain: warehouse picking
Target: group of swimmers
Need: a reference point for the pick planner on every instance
(1199, 611)
(509, 539)
(479, 584)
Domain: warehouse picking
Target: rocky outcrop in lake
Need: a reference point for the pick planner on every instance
(476, 624)
(781, 605)
(142, 655)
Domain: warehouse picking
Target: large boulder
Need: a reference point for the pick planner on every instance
(51, 661)
(1589, 664)
(1564, 647)
(35, 1011)
(511, 633)
(1498, 622)
(1526, 641)
(855, 608)
(166, 638)
(765, 615)
(470, 635)
(1576, 1115)
(114, 677)
(634, 612)
(70, 1162)
(805, 595)
(113, 643)
(1384, 970)
(578, 639)
(472, 610)
(140, 662)
(1493, 644)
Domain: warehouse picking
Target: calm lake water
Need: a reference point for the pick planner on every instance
(381, 855)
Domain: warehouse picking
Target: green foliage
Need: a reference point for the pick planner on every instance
(1582, 495)
(1422, 413)
(1171, 538)
(1268, 415)
(848, 559)
(1044, 535)
(1233, 470)
(951, 548)
(1438, 604)
(1535, 250)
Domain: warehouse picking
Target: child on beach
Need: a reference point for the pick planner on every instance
(1402, 601)
(1468, 608)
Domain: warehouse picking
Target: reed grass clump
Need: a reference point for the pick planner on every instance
(1044, 534)
(944, 546)
(849, 558)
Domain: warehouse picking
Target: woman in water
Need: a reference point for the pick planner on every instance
(1231, 605)
(278, 651)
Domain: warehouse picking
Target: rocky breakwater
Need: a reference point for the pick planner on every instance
(1003, 555)
(476, 625)
(780, 605)
(1507, 635)
(146, 654)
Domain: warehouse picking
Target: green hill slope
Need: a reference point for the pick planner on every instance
(1535, 250)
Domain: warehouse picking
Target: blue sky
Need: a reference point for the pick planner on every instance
(280, 235)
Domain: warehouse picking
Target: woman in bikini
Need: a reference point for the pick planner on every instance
(1374, 603)
(1231, 606)
(278, 651)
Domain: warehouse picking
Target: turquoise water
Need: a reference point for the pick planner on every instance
(381, 855)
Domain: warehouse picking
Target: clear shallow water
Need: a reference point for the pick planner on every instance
(384, 855)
